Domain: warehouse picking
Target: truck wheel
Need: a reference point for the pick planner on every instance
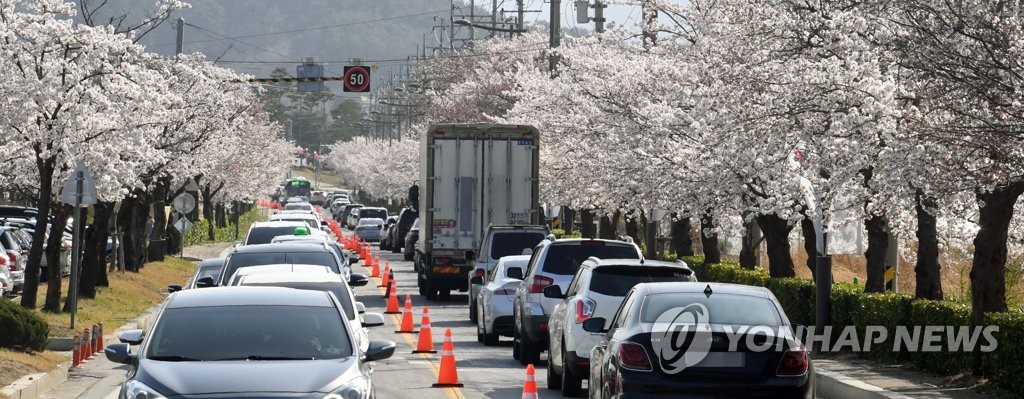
(421, 284)
(429, 291)
(444, 294)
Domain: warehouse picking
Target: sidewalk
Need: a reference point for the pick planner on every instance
(842, 376)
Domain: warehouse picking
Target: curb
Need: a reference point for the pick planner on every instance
(34, 385)
(832, 385)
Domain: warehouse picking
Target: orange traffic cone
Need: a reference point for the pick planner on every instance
(426, 341)
(448, 376)
(392, 300)
(387, 277)
(407, 326)
(530, 387)
(375, 272)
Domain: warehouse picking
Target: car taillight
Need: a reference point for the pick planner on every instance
(3, 261)
(14, 260)
(539, 283)
(505, 291)
(479, 273)
(633, 356)
(794, 362)
(584, 310)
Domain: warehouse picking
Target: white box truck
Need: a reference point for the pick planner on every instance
(471, 176)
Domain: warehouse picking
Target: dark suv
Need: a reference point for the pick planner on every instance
(554, 262)
(397, 234)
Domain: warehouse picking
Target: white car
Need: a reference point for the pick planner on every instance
(276, 269)
(328, 282)
(370, 229)
(596, 290)
(494, 301)
(299, 206)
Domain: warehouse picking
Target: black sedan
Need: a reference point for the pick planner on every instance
(235, 342)
(698, 340)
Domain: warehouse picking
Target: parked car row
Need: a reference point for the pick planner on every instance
(17, 230)
(599, 309)
(276, 315)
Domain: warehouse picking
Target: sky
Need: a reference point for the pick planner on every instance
(618, 14)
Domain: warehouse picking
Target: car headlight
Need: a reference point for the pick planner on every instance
(358, 388)
(137, 390)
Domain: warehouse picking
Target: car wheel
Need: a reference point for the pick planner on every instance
(529, 353)
(472, 311)
(554, 380)
(490, 338)
(479, 333)
(572, 385)
(515, 345)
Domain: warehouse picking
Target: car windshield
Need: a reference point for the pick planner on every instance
(616, 281)
(373, 213)
(263, 235)
(310, 222)
(212, 271)
(238, 261)
(249, 333)
(722, 309)
(565, 259)
(339, 290)
(513, 243)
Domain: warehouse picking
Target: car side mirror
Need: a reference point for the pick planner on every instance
(477, 280)
(324, 223)
(553, 291)
(118, 353)
(172, 288)
(373, 320)
(379, 350)
(353, 260)
(360, 308)
(131, 337)
(515, 272)
(205, 282)
(358, 280)
(594, 325)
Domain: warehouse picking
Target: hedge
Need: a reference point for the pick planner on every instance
(20, 329)
(851, 306)
(198, 234)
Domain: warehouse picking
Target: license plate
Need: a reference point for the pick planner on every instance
(722, 359)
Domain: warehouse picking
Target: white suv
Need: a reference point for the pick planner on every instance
(554, 262)
(596, 290)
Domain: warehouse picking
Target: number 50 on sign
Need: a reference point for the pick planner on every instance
(357, 79)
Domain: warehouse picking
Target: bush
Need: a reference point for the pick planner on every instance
(941, 313)
(1004, 365)
(797, 298)
(887, 310)
(198, 234)
(22, 329)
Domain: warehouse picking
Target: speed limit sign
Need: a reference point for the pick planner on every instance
(357, 79)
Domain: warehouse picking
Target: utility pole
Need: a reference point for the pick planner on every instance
(649, 25)
(472, 20)
(555, 34)
(494, 17)
(181, 35)
(599, 7)
(521, 9)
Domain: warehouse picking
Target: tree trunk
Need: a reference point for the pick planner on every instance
(927, 270)
(681, 242)
(132, 236)
(988, 270)
(104, 210)
(587, 224)
(140, 215)
(95, 248)
(810, 244)
(158, 248)
(776, 235)
(208, 214)
(608, 221)
(878, 247)
(568, 220)
(53, 244)
(748, 249)
(220, 215)
(634, 228)
(35, 256)
(709, 239)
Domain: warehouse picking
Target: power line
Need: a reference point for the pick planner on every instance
(226, 37)
(397, 60)
(314, 28)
